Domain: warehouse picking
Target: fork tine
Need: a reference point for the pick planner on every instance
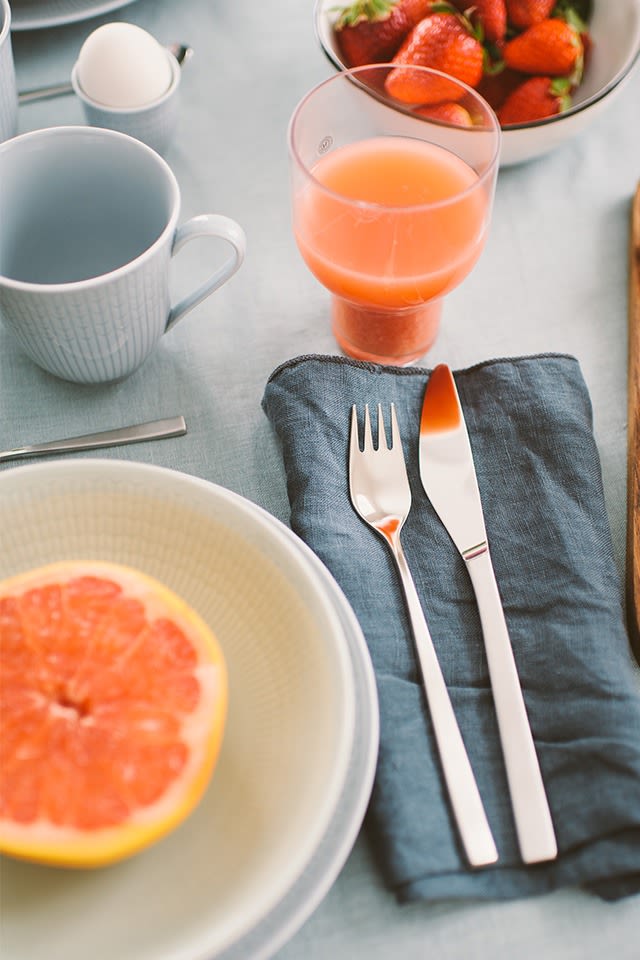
(354, 440)
(368, 437)
(396, 442)
(382, 435)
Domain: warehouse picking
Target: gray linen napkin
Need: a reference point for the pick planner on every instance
(530, 426)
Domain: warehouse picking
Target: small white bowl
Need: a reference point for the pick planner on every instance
(615, 29)
(290, 727)
(154, 123)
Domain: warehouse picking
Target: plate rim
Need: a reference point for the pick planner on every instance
(23, 20)
(339, 838)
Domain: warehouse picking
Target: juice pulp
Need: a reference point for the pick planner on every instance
(389, 223)
(397, 225)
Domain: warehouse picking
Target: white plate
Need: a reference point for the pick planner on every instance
(35, 14)
(289, 741)
(308, 891)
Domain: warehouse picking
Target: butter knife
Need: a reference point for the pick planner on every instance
(152, 430)
(449, 478)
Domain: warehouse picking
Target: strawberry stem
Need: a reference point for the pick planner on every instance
(370, 10)
(572, 11)
(441, 6)
(561, 87)
(576, 12)
(492, 63)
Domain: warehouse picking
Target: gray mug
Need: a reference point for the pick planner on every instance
(88, 225)
(8, 92)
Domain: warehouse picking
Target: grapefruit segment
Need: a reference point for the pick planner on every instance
(113, 700)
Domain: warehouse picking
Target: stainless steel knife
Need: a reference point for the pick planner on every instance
(152, 430)
(449, 478)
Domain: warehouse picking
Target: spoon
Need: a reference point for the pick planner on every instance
(180, 51)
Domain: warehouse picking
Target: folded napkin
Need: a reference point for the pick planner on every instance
(530, 426)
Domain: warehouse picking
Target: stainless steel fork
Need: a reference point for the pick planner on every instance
(380, 493)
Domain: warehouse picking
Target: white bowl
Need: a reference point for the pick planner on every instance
(289, 734)
(615, 29)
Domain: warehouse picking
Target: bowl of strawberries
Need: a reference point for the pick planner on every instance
(547, 67)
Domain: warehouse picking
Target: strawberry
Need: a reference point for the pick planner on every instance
(524, 13)
(552, 47)
(534, 99)
(371, 31)
(444, 42)
(447, 112)
(496, 87)
(491, 15)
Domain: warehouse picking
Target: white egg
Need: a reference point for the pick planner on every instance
(121, 65)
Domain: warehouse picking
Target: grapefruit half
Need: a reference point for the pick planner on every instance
(113, 700)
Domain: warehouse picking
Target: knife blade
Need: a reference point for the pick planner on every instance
(448, 475)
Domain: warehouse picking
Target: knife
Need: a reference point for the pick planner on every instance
(152, 430)
(449, 478)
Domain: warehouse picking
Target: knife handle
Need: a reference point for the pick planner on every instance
(464, 795)
(152, 430)
(534, 826)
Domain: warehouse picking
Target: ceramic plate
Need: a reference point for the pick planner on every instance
(289, 743)
(35, 14)
(308, 891)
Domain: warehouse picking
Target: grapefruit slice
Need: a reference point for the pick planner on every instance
(113, 699)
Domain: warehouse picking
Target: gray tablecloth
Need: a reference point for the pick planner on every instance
(553, 277)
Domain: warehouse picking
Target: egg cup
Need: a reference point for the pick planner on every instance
(152, 123)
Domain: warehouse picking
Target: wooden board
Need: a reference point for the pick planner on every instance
(633, 433)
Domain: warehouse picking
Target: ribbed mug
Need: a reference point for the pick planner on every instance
(88, 226)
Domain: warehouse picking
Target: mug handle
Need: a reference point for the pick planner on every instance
(207, 225)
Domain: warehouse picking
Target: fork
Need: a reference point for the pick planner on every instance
(381, 496)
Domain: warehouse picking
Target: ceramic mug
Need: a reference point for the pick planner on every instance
(153, 123)
(88, 226)
(8, 93)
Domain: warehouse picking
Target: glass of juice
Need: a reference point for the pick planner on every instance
(391, 200)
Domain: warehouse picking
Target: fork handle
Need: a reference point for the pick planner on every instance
(534, 827)
(464, 795)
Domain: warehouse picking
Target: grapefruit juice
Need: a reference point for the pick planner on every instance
(389, 225)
